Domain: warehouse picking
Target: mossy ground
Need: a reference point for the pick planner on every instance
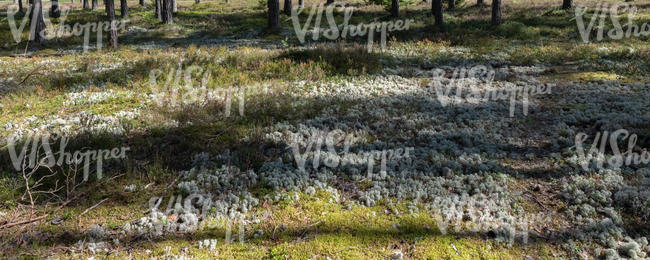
(312, 227)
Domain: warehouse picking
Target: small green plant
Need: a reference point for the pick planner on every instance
(277, 253)
(111, 224)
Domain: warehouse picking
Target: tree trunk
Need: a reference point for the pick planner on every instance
(287, 7)
(30, 7)
(394, 8)
(95, 5)
(301, 3)
(158, 10)
(124, 8)
(55, 12)
(451, 4)
(36, 23)
(197, 1)
(110, 12)
(85, 4)
(436, 9)
(567, 4)
(20, 6)
(142, 3)
(329, 2)
(167, 11)
(274, 14)
(480, 2)
(175, 6)
(496, 12)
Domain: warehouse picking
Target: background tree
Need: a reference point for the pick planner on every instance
(436, 9)
(480, 2)
(158, 9)
(20, 7)
(55, 12)
(124, 8)
(167, 11)
(329, 2)
(30, 6)
(142, 3)
(567, 4)
(110, 12)
(496, 12)
(287, 7)
(85, 4)
(274, 14)
(394, 9)
(451, 4)
(174, 6)
(95, 5)
(301, 3)
(36, 23)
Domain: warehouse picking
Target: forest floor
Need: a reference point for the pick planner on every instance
(243, 143)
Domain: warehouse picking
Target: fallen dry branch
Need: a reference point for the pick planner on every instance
(91, 208)
(8, 225)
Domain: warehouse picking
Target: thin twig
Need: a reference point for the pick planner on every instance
(91, 208)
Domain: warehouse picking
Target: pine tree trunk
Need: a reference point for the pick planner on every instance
(274, 14)
(158, 10)
(301, 3)
(30, 7)
(20, 6)
(496, 12)
(95, 4)
(36, 23)
(85, 4)
(567, 4)
(55, 12)
(142, 3)
(451, 4)
(436, 9)
(394, 8)
(167, 11)
(110, 12)
(287, 7)
(124, 8)
(175, 6)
